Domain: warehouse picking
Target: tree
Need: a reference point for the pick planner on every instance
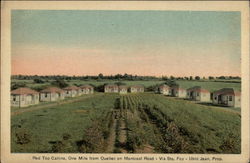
(99, 88)
(37, 80)
(100, 76)
(164, 78)
(172, 77)
(210, 77)
(17, 85)
(222, 77)
(171, 83)
(60, 83)
(197, 78)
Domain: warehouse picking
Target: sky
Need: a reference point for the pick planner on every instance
(157, 43)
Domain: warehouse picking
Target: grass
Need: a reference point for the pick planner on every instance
(46, 103)
(211, 86)
(169, 125)
(46, 126)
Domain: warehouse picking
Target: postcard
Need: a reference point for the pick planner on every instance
(125, 81)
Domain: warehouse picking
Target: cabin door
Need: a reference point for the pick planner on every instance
(192, 95)
(172, 92)
(219, 99)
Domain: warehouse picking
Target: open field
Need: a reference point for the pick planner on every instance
(133, 123)
(211, 86)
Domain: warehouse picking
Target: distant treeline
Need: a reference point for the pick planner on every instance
(119, 77)
(86, 77)
(100, 88)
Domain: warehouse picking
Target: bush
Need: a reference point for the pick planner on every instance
(99, 88)
(93, 140)
(197, 78)
(60, 83)
(38, 81)
(57, 147)
(66, 136)
(64, 145)
(17, 85)
(117, 150)
(22, 136)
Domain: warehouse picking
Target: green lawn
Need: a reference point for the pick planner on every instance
(211, 86)
(46, 126)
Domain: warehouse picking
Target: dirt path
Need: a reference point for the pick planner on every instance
(48, 105)
(111, 140)
(123, 136)
(119, 136)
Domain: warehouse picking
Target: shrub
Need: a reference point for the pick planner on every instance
(17, 85)
(66, 136)
(64, 145)
(57, 147)
(60, 83)
(22, 136)
(38, 81)
(93, 139)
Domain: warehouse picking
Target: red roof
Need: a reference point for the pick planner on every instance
(164, 85)
(23, 91)
(177, 87)
(123, 86)
(71, 88)
(137, 86)
(86, 86)
(111, 85)
(228, 91)
(198, 89)
(52, 90)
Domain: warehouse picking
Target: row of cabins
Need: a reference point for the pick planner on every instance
(225, 96)
(23, 97)
(113, 88)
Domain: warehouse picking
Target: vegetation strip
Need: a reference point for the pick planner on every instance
(48, 105)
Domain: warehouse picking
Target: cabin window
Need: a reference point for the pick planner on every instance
(198, 94)
(46, 95)
(14, 98)
(230, 98)
(215, 98)
(67, 92)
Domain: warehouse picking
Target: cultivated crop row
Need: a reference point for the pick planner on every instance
(157, 125)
